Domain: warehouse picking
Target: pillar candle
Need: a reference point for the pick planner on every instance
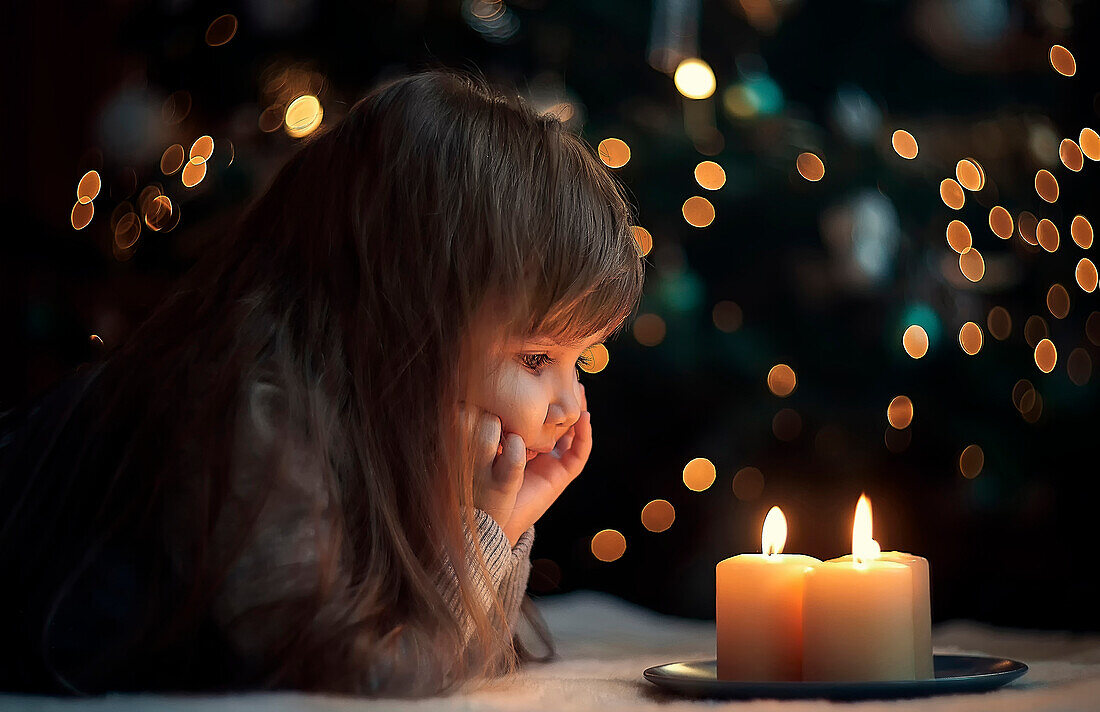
(858, 614)
(758, 609)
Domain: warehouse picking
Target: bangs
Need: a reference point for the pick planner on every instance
(591, 271)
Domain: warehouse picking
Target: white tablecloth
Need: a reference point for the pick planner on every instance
(604, 644)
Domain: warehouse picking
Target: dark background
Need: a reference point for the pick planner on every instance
(827, 274)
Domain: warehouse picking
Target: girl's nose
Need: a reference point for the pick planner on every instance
(566, 408)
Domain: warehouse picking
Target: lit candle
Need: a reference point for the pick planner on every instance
(758, 610)
(858, 614)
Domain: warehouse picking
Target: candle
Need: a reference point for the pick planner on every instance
(758, 609)
(858, 614)
(922, 608)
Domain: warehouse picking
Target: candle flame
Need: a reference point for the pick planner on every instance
(864, 548)
(774, 534)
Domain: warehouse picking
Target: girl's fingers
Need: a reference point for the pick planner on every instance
(576, 456)
(565, 441)
(498, 497)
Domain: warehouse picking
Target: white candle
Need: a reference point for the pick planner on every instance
(758, 609)
(857, 617)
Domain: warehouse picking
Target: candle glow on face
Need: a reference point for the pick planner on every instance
(773, 535)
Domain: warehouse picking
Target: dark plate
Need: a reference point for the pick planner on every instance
(954, 674)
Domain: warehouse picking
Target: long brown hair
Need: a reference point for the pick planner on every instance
(438, 216)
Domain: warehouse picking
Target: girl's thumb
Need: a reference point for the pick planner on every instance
(508, 468)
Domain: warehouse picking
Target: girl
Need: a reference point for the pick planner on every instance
(318, 464)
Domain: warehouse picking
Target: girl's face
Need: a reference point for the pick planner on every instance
(532, 385)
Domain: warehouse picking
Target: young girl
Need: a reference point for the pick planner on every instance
(318, 465)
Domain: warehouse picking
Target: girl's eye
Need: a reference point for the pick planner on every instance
(536, 362)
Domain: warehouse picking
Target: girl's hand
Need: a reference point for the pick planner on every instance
(515, 495)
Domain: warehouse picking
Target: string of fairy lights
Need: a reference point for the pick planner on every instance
(695, 81)
(291, 97)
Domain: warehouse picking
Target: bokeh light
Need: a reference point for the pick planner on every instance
(694, 79)
(1046, 233)
(999, 323)
(1000, 222)
(915, 341)
(172, 159)
(203, 147)
(1035, 330)
(88, 187)
(127, 231)
(810, 166)
(193, 172)
(596, 358)
(1046, 355)
(608, 545)
(1089, 141)
(81, 214)
(1046, 185)
(782, 380)
(900, 412)
(1086, 275)
(971, 461)
(303, 116)
(221, 30)
(699, 474)
(643, 238)
(1058, 301)
(727, 316)
(1092, 328)
(951, 193)
(176, 107)
(1081, 231)
(1062, 60)
(658, 515)
(1028, 224)
(1070, 154)
(649, 329)
(972, 264)
(958, 236)
(160, 214)
(1079, 366)
(710, 175)
(748, 484)
(904, 144)
(698, 211)
(970, 338)
(970, 174)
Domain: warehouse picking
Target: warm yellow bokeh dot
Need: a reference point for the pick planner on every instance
(202, 147)
(1062, 60)
(970, 338)
(951, 193)
(193, 172)
(900, 412)
(159, 213)
(698, 211)
(999, 323)
(958, 236)
(727, 316)
(220, 31)
(1000, 222)
(748, 484)
(1058, 301)
(303, 116)
(1035, 329)
(694, 79)
(1086, 275)
(970, 174)
(649, 329)
(595, 359)
(1028, 225)
(127, 231)
(1047, 236)
(1070, 154)
(972, 265)
(1046, 355)
(1081, 231)
(658, 515)
(87, 188)
(643, 238)
(1089, 141)
(614, 152)
(608, 545)
(904, 144)
(1046, 185)
(81, 214)
(810, 166)
(782, 380)
(915, 341)
(699, 474)
(971, 461)
(710, 175)
(172, 159)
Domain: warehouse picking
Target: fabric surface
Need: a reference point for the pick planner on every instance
(605, 643)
